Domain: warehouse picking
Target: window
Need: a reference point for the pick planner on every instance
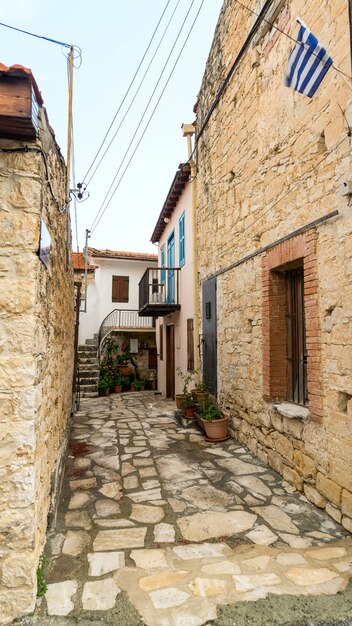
(161, 342)
(296, 353)
(120, 286)
(190, 345)
(162, 262)
(181, 225)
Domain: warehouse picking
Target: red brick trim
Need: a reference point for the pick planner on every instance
(274, 329)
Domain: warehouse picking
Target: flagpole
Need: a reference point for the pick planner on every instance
(343, 77)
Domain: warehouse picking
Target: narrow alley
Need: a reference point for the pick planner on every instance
(156, 526)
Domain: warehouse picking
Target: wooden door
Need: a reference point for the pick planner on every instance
(170, 361)
(209, 339)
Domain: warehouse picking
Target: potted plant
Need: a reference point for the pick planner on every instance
(188, 405)
(213, 422)
(200, 393)
(104, 384)
(185, 379)
(118, 382)
(137, 385)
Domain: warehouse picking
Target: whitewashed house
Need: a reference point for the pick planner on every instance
(167, 293)
(110, 306)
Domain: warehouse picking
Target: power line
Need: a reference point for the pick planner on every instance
(26, 32)
(295, 185)
(151, 117)
(301, 43)
(136, 93)
(146, 109)
(125, 96)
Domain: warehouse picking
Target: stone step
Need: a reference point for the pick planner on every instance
(88, 394)
(87, 349)
(85, 382)
(85, 358)
(88, 387)
(88, 373)
(92, 342)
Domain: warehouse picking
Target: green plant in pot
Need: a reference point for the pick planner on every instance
(213, 421)
(104, 383)
(118, 382)
(201, 393)
(185, 379)
(137, 385)
(187, 405)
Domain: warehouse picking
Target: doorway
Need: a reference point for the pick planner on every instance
(170, 361)
(209, 339)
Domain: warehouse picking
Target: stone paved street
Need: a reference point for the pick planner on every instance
(154, 518)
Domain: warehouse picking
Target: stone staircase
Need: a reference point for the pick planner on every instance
(88, 368)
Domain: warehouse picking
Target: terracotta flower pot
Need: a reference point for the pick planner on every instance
(125, 370)
(178, 399)
(189, 411)
(106, 391)
(216, 429)
(117, 388)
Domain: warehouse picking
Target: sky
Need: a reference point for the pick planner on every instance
(113, 36)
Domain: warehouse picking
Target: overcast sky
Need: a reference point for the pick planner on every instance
(113, 36)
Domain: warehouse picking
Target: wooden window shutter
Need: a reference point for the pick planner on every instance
(120, 287)
(190, 345)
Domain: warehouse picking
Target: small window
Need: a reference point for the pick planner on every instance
(120, 287)
(190, 345)
(296, 351)
(182, 239)
(161, 342)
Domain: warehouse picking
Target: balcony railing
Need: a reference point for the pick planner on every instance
(159, 291)
(123, 319)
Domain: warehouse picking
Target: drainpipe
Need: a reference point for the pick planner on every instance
(187, 131)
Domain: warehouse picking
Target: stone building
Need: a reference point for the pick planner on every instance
(274, 238)
(36, 333)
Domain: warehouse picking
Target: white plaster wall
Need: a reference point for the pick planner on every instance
(179, 319)
(99, 292)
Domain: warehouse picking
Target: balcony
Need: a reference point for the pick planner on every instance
(159, 291)
(124, 320)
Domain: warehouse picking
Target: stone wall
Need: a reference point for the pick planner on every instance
(36, 358)
(271, 161)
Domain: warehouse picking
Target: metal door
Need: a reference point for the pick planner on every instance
(209, 339)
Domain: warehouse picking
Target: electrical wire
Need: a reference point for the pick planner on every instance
(136, 93)
(150, 119)
(292, 188)
(26, 32)
(74, 186)
(289, 36)
(127, 92)
(143, 114)
(142, 117)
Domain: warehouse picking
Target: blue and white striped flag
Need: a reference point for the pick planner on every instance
(308, 63)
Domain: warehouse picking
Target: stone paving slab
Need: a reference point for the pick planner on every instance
(154, 516)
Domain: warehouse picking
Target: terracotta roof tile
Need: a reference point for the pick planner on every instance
(78, 262)
(118, 254)
(22, 72)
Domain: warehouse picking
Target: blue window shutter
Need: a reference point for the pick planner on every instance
(182, 239)
(162, 265)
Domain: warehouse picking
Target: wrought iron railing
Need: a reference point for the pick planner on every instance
(158, 289)
(122, 319)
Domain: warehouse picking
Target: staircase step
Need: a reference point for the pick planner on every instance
(88, 373)
(89, 349)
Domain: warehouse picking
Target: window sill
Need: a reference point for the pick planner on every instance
(292, 411)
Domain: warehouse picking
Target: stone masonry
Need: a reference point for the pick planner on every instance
(36, 357)
(271, 161)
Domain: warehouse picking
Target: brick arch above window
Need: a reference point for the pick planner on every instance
(297, 252)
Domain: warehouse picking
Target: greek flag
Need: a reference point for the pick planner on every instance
(308, 63)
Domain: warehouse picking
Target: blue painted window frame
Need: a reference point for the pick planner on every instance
(182, 251)
(162, 263)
